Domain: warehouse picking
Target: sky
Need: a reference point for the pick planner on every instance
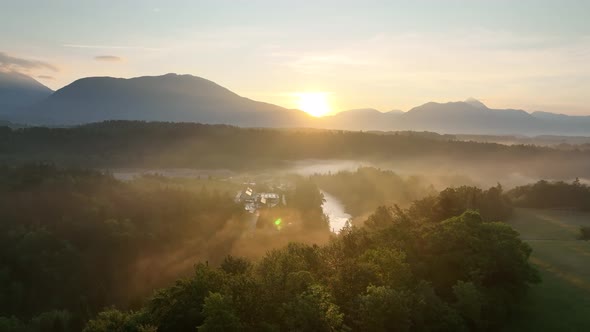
(532, 55)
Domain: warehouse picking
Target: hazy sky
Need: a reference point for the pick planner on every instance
(387, 55)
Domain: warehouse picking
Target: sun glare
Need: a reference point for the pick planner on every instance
(314, 103)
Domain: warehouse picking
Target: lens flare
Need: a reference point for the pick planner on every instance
(278, 223)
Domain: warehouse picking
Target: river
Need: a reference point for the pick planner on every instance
(334, 209)
(332, 206)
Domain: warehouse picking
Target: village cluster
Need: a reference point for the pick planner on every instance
(253, 200)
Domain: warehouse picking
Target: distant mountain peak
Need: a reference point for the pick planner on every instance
(13, 78)
(169, 97)
(360, 110)
(18, 90)
(475, 102)
(188, 98)
(395, 112)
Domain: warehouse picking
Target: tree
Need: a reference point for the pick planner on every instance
(491, 204)
(235, 265)
(112, 320)
(557, 194)
(180, 307)
(11, 324)
(584, 233)
(384, 309)
(469, 304)
(455, 275)
(219, 314)
(312, 310)
(491, 255)
(307, 198)
(382, 217)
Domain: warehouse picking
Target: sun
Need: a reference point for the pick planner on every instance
(314, 103)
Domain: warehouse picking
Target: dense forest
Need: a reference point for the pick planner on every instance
(75, 241)
(367, 188)
(159, 144)
(492, 204)
(556, 195)
(396, 275)
(113, 242)
(81, 250)
(96, 235)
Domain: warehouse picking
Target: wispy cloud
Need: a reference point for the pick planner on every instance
(413, 68)
(108, 58)
(478, 56)
(112, 47)
(9, 62)
(46, 77)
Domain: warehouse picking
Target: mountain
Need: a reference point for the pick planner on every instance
(186, 98)
(463, 117)
(476, 103)
(565, 124)
(171, 97)
(357, 119)
(474, 117)
(360, 119)
(398, 112)
(468, 117)
(18, 90)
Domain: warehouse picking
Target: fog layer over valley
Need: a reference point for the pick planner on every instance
(282, 166)
(170, 216)
(122, 144)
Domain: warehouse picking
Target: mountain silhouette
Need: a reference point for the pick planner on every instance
(463, 117)
(18, 90)
(469, 117)
(186, 98)
(171, 97)
(359, 119)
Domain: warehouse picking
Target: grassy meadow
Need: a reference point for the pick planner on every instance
(562, 301)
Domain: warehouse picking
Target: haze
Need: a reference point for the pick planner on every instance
(379, 54)
(379, 166)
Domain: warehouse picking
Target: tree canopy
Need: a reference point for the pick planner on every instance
(459, 274)
(557, 194)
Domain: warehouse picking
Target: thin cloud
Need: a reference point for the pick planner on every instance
(46, 77)
(112, 47)
(9, 62)
(108, 58)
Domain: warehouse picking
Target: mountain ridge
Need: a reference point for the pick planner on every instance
(18, 90)
(187, 98)
(474, 117)
(170, 97)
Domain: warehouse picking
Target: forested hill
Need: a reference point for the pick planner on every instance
(73, 241)
(160, 144)
(552, 195)
(92, 250)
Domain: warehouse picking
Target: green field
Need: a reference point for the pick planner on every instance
(562, 301)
